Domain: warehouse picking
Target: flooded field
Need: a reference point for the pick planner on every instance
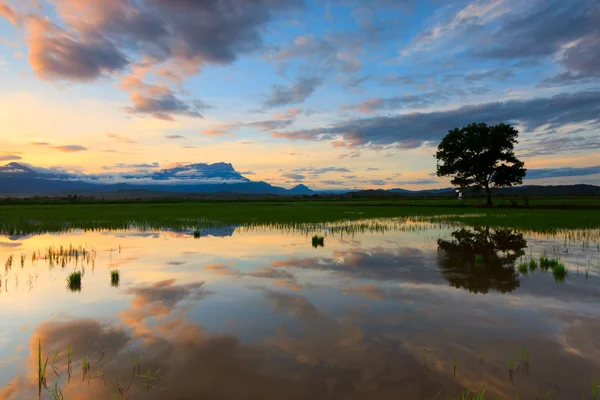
(377, 309)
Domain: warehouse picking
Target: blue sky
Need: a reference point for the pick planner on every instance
(285, 90)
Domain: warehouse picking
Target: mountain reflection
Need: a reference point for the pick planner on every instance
(482, 259)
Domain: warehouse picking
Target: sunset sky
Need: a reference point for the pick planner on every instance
(329, 93)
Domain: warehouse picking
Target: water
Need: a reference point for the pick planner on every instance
(260, 313)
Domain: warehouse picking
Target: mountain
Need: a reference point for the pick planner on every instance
(301, 189)
(24, 180)
(18, 179)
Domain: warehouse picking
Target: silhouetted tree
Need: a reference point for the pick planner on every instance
(498, 249)
(481, 156)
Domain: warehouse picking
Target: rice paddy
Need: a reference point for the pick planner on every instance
(414, 307)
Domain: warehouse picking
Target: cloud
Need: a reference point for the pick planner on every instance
(295, 93)
(160, 299)
(421, 100)
(131, 166)
(70, 148)
(561, 172)
(355, 154)
(39, 144)
(117, 33)
(415, 129)
(219, 130)
(324, 54)
(174, 137)
(377, 182)
(294, 177)
(541, 29)
(315, 172)
(292, 304)
(10, 157)
(93, 39)
(159, 101)
(556, 144)
(221, 269)
(10, 14)
(269, 125)
(57, 54)
(417, 182)
(500, 74)
(120, 139)
(270, 273)
(332, 182)
(377, 263)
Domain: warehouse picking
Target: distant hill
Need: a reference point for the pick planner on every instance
(22, 180)
(301, 189)
(179, 180)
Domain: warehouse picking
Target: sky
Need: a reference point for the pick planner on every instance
(328, 93)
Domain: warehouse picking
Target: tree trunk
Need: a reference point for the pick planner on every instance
(488, 193)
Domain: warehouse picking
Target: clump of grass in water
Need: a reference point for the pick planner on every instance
(8, 263)
(197, 234)
(533, 264)
(523, 268)
(115, 278)
(478, 258)
(559, 271)
(74, 281)
(318, 241)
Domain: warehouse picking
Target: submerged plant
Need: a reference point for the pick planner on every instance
(74, 281)
(115, 278)
(318, 241)
(148, 378)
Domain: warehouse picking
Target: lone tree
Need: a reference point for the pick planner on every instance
(481, 156)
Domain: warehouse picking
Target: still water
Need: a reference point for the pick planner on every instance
(407, 311)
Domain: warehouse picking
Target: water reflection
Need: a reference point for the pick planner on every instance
(368, 316)
(482, 259)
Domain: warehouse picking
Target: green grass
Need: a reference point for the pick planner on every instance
(74, 281)
(318, 241)
(41, 218)
(533, 264)
(115, 278)
(559, 271)
(524, 268)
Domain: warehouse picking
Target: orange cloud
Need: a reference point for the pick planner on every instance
(11, 15)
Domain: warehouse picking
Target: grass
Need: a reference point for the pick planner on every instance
(478, 258)
(24, 218)
(318, 241)
(560, 272)
(533, 264)
(115, 278)
(524, 268)
(74, 281)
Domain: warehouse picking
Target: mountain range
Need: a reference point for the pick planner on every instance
(19, 179)
(24, 180)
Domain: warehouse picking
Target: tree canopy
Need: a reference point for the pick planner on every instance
(481, 156)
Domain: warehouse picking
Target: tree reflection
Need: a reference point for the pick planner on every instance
(481, 259)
